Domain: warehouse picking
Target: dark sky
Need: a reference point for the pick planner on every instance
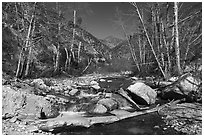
(99, 17)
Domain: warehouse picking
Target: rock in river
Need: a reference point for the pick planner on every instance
(142, 94)
(73, 92)
(109, 103)
(100, 109)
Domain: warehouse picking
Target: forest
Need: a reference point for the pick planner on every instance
(57, 76)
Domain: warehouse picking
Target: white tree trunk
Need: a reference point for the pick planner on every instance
(177, 50)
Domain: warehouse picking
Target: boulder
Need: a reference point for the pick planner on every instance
(109, 81)
(73, 92)
(39, 83)
(122, 102)
(102, 80)
(142, 94)
(25, 105)
(94, 85)
(109, 103)
(99, 109)
(11, 101)
(66, 92)
(189, 84)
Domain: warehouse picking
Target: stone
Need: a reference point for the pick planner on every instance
(93, 83)
(68, 87)
(100, 109)
(189, 84)
(13, 119)
(25, 105)
(39, 83)
(73, 92)
(122, 102)
(66, 92)
(109, 81)
(109, 103)
(182, 89)
(172, 79)
(142, 94)
(4, 81)
(108, 95)
(11, 101)
(96, 87)
(134, 78)
(102, 80)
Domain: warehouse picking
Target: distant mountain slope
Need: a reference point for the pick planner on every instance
(91, 44)
(111, 41)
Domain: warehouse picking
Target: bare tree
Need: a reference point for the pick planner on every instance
(148, 39)
(177, 50)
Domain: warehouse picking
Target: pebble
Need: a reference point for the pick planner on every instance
(109, 81)
(96, 87)
(73, 92)
(102, 80)
(108, 95)
(93, 83)
(13, 120)
(66, 92)
(51, 96)
(68, 87)
(156, 126)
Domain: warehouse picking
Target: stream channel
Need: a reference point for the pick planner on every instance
(147, 124)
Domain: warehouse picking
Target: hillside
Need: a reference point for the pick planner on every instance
(111, 41)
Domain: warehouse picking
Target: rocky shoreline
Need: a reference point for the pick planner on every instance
(41, 106)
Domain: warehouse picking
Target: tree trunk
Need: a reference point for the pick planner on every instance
(72, 44)
(67, 59)
(79, 48)
(30, 52)
(168, 63)
(177, 50)
(56, 68)
(19, 63)
(73, 35)
(140, 49)
(29, 34)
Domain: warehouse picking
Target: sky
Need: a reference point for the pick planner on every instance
(99, 18)
(102, 21)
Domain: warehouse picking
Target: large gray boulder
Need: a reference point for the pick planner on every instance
(26, 106)
(142, 94)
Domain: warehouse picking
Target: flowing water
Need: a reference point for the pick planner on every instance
(149, 124)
